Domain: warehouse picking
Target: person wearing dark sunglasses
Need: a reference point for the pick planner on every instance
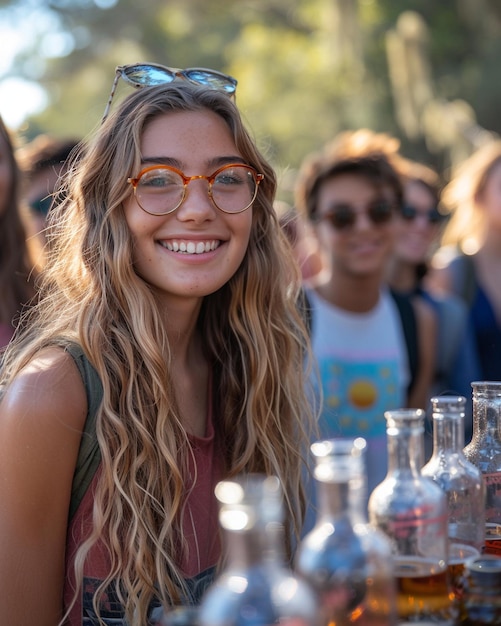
(166, 353)
(370, 354)
(419, 225)
(44, 161)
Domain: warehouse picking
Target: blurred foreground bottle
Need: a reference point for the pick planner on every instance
(348, 562)
(256, 588)
(484, 451)
(462, 484)
(412, 512)
(482, 594)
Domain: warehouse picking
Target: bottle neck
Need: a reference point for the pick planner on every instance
(448, 434)
(486, 417)
(342, 499)
(253, 546)
(405, 451)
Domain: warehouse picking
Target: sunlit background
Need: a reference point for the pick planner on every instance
(423, 71)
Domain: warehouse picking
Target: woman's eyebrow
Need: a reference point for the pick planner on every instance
(212, 163)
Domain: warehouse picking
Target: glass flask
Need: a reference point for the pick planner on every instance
(411, 510)
(256, 587)
(462, 484)
(484, 451)
(482, 594)
(460, 480)
(348, 562)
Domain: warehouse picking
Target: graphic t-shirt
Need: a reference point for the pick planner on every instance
(364, 371)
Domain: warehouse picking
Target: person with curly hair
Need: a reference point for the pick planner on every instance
(19, 252)
(167, 330)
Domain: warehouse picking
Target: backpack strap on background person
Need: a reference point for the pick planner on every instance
(410, 328)
(89, 454)
(304, 306)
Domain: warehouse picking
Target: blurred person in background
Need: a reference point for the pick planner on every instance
(44, 161)
(374, 349)
(304, 243)
(468, 263)
(419, 225)
(20, 254)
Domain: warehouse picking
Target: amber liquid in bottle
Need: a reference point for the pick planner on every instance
(421, 589)
(411, 510)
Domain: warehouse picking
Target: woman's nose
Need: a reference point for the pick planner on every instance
(197, 204)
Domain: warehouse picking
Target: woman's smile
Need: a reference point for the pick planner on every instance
(190, 247)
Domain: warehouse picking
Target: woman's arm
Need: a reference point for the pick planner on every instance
(41, 419)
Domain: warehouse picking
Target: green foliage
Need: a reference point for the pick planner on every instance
(306, 68)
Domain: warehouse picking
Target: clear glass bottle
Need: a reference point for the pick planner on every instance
(347, 561)
(484, 451)
(412, 512)
(256, 587)
(460, 480)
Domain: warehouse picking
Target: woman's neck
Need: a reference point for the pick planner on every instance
(359, 296)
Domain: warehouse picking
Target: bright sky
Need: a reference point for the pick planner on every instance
(22, 23)
(18, 98)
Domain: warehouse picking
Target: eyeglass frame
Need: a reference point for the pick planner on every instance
(331, 215)
(134, 181)
(120, 72)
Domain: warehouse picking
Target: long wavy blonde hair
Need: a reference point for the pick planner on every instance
(255, 341)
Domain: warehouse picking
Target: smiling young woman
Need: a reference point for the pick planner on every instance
(172, 339)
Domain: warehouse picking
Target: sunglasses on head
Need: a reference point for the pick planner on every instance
(151, 74)
(344, 216)
(410, 213)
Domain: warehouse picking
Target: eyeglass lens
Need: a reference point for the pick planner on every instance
(147, 75)
(344, 216)
(150, 75)
(410, 213)
(161, 190)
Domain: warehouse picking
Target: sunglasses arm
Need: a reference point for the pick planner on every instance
(112, 94)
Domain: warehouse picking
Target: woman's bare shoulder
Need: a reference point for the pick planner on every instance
(49, 389)
(42, 414)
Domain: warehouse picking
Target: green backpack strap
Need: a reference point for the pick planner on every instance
(89, 454)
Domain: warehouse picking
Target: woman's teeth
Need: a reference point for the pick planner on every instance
(191, 247)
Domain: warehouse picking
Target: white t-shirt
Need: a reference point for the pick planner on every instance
(364, 371)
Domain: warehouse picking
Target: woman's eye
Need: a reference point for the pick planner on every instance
(229, 178)
(159, 181)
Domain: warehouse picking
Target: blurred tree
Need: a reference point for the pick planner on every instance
(306, 68)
